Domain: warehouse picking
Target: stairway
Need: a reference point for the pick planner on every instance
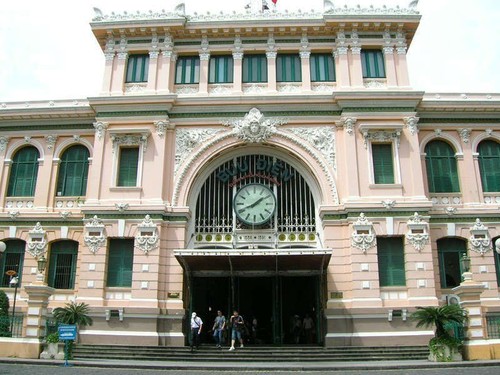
(251, 353)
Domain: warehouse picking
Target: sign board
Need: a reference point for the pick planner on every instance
(67, 332)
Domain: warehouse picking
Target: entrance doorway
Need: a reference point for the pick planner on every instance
(274, 303)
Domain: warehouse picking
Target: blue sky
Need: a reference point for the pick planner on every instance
(47, 50)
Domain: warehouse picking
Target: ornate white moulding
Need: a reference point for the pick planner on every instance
(363, 236)
(37, 241)
(147, 238)
(129, 137)
(480, 240)
(381, 133)
(95, 234)
(418, 232)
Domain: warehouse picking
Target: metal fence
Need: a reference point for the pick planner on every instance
(493, 325)
(51, 326)
(11, 326)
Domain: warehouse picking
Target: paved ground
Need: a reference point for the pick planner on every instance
(20, 368)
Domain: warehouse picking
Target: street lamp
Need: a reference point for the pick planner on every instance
(14, 281)
(41, 263)
(465, 265)
(3, 246)
(497, 245)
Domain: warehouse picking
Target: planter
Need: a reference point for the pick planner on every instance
(53, 351)
(444, 353)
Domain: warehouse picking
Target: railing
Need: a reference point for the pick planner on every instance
(11, 326)
(493, 325)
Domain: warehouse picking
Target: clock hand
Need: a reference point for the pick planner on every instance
(251, 205)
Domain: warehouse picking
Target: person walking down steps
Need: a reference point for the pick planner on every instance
(238, 326)
(196, 325)
(218, 328)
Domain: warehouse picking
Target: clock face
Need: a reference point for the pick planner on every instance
(254, 204)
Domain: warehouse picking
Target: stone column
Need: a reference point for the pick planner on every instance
(271, 70)
(119, 68)
(469, 293)
(173, 65)
(341, 62)
(38, 300)
(356, 69)
(470, 184)
(390, 67)
(95, 170)
(417, 186)
(152, 71)
(306, 70)
(237, 72)
(204, 65)
(401, 63)
(108, 73)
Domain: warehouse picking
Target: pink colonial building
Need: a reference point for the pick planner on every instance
(279, 164)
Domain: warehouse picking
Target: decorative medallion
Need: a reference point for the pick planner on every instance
(37, 241)
(418, 234)
(95, 234)
(363, 237)
(480, 240)
(321, 138)
(464, 135)
(388, 204)
(254, 127)
(147, 238)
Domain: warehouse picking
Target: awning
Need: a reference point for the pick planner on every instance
(223, 262)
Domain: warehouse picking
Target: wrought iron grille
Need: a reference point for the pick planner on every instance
(294, 217)
(11, 326)
(493, 325)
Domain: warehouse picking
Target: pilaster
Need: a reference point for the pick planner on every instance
(204, 64)
(119, 68)
(38, 300)
(153, 65)
(271, 64)
(237, 72)
(356, 69)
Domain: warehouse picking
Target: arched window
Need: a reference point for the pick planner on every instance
(12, 259)
(73, 171)
(441, 164)
(489, 162)
(23, 173)
(62, 264)
(450, 250)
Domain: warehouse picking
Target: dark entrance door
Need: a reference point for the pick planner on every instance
(274, 302)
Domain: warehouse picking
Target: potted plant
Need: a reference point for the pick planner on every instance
(443, 346)
(73, 313)
(53, 349)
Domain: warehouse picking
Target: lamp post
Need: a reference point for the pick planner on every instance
(14, 281)
(465, 265)
(497, 245)
(41, 263)
(3, 246)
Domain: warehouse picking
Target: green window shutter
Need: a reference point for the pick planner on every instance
(322, 68)
(441, 165)
(62, 264)
(24, 172)
(489, 165)
(220, 69)
(450, 250)
(73, 172)
(288, 68)
(120, 262)
(187, 70)
(383, 163)
(13, 259)
(391, 261)
(254, 68)
(128, 166)
(372, 63)
(137, 68)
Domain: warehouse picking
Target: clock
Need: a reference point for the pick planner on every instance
(254, 204)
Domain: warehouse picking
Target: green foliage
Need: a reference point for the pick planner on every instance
(53, 338)
(438, 317)
(4, 304)
(443, 348)
(73, 313)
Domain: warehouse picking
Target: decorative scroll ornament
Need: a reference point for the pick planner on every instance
(13, 214)
(147, 238)
(381, 136)
(254, 128)
(418, 233)
(480, 240)
(389, 204)
(363, 236)
(122, 206)
(130, 140)
(161, 126)
(100, 128)
(348, 124)
(464, 135)
(412, 124)
(51, 141)
(322, 138)
(37, 241)
(3, 143)
(188, 139)
(95, 234)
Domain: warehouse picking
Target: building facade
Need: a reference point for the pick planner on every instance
(279, 164)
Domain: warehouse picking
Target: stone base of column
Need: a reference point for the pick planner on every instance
(20, 348)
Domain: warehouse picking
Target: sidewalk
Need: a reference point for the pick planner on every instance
(258, 366)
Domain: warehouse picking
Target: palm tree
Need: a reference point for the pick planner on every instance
(439, 317)
(73, 313)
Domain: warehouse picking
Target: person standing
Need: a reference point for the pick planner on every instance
(196, 325)
(238, 326)
(218, 328)
(308, 325)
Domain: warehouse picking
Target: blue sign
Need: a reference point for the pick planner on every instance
(67, 332)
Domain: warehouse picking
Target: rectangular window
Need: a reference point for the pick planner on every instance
(322, 67)
(288, 68)
(254, 68)
(128, 166)
(372, 62)
(120, 263)
(383, 163)
(137, 68)
(221, 69)
(187, 70)
(391, 261)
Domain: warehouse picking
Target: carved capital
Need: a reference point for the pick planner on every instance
(348, 124)
(464, 135)
(412, 124)
(3, 142)
(51, 141)
(161, 126)
(100, 128)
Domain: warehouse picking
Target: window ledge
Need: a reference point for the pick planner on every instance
(125, 188)
(385, 186)
(393, 288)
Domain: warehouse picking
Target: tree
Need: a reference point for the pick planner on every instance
(73, 313)
(439, 317)
(4, 315)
